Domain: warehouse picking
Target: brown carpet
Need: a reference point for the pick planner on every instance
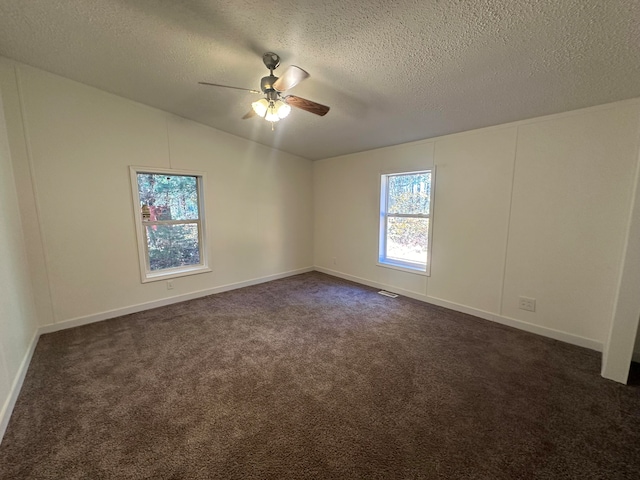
(312, 377)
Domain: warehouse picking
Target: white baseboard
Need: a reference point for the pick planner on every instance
(118, 312)
(522, 325)
(7, 408)
(371, 283)
(508, 321)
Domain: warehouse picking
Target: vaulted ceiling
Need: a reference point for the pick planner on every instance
(392, 71)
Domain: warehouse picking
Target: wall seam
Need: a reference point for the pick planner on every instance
(434, 212)
(36, 198)
(506, 240)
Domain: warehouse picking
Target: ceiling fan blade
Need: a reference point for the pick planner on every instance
(307, 105)
(251, 113)
(290, 78)
(228, 86)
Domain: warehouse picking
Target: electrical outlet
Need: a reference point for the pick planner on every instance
(528, 304)
(335, 261)
(169, 284)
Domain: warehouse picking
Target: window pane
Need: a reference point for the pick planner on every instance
(172, 246)
(407, 239)
(168, 197)
(409, 193)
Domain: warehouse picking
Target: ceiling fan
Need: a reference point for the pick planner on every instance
(274, 106)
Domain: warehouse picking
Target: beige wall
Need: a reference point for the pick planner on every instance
(572, 196)
(80, 141)
(471, 218)
(18, 323)
(619, 348)
(347, 209)
(536, 208)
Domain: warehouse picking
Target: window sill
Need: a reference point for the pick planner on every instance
(175, 273)
(404, 268)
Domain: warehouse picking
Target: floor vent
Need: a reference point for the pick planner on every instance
(387, 294)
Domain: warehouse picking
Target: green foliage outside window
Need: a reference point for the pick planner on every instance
(409, 194)
(168, 204)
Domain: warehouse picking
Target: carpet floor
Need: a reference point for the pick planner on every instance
(313, 377)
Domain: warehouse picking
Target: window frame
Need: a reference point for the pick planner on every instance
(404, 265)
(146, 274)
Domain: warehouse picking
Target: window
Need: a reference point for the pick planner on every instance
(405, 216)
(168, 208)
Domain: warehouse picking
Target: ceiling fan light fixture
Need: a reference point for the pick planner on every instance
(260, 107)
(272, 113)
(276, 111)
(282, 109)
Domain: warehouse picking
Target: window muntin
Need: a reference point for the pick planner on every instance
(169, 222)
(405, 211)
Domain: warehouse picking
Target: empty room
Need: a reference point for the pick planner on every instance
(319, 240)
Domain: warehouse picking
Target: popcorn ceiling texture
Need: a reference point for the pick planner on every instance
(392, 72)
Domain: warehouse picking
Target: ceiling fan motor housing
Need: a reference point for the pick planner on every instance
(266, 84)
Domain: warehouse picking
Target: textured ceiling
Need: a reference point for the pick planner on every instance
(392, 71)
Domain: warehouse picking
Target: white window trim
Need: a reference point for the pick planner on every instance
(405, 266)
(146, 275)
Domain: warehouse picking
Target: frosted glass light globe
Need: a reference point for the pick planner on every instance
(260, 107)
(272, 114)
(282, 109)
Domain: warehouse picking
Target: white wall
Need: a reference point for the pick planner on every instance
(619, 348)
(471, 218)
(25, 189)
(18, 322)
(537, 208)
(79, 142)
(347, 211)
